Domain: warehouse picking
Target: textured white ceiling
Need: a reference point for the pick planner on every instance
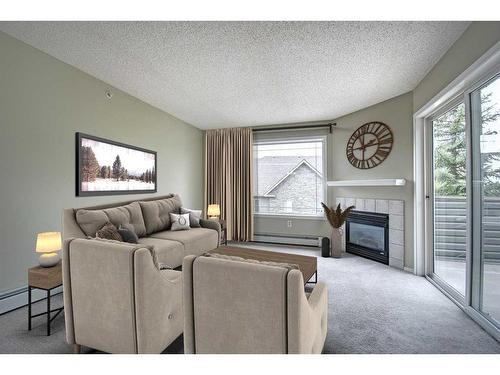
(229, 74)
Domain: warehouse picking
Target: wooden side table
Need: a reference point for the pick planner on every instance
(223, 232)
(45, 278)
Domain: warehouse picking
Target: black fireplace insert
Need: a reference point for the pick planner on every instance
(367, 235)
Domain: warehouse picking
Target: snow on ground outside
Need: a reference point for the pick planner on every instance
(106, 184)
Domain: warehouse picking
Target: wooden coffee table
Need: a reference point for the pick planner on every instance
(307, 265)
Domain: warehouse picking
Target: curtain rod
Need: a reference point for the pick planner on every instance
(330, 125)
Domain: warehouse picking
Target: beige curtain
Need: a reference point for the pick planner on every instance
(228, 179)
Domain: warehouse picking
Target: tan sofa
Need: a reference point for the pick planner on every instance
(239, 306)
(121, 297)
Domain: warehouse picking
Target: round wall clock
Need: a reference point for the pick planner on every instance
(369, 145)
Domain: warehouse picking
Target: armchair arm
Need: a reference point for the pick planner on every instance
(318, 299)
(307, 317)
(211, 224)
(158, 304)
(318, 302)
(68, 306)
(99, 294)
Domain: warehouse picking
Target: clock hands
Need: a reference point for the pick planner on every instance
(364, 146)
(363, 149)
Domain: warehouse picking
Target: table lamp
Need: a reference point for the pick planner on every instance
(213, 211)
(48, 244)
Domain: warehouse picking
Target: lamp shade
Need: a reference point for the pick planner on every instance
(48, 242)
(213, 210)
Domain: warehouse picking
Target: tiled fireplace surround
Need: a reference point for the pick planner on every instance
(395, 209)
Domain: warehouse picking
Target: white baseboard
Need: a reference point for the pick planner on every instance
(288, 240)
(17, 298)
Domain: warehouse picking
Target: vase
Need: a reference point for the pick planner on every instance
(336, 242)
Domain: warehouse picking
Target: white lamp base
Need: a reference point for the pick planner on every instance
(49, 259)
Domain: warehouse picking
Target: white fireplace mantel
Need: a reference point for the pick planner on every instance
(374, 182)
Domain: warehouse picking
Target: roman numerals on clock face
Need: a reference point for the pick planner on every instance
(369, 145)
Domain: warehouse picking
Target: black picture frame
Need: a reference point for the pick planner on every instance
(83, 193)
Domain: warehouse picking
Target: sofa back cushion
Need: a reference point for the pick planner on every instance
(157, 213)
(92, 220)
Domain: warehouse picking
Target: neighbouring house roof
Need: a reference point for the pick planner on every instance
(273, 170)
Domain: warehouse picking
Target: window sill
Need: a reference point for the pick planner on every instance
(288, 217)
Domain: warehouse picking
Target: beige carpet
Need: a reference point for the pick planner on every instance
(372, 309)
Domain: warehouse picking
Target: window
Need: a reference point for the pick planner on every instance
(485, 110)
(289, 176)
(449, 196)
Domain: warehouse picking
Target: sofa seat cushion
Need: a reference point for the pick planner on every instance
(92, 220)
(166, 253)
(196, 241)
(157, 213)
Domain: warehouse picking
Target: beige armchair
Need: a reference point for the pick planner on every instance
(237, 306)
(117, 300)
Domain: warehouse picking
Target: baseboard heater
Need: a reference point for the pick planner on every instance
(14, 299)
(287, 239)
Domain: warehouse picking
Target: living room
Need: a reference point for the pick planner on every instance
(249, 187)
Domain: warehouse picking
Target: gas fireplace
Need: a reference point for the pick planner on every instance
(367, 235)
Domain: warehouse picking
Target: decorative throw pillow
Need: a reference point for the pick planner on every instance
(109, 232)
(194, 216)
(179, 222)
(128, 234)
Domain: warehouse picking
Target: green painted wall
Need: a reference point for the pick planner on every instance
(43, 102)
(472, 44)
(395, 112)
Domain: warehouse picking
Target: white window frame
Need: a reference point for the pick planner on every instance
(295, 139)
(429, 185)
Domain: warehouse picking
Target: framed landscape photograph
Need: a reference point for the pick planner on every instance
(105, 167)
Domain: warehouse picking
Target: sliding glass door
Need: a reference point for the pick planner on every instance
(449, 197)
(463, 181)
(485, 116)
